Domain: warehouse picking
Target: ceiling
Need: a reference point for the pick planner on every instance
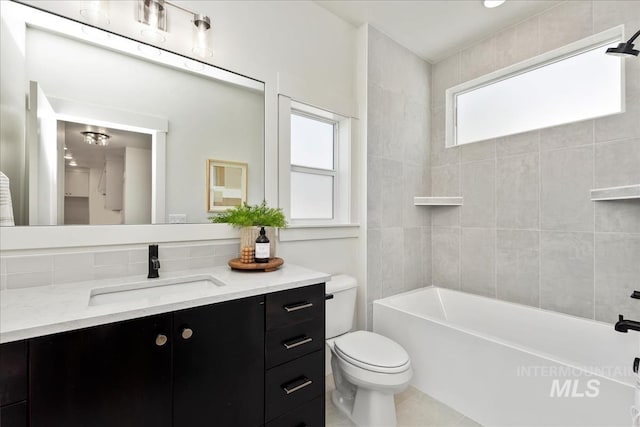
(434, 29)
(93, 156)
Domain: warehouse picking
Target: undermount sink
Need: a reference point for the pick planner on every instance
(156, 290)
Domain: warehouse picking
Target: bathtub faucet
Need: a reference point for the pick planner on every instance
(623, 325)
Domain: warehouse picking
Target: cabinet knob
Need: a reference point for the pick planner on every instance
(187, 333)
(161, 340)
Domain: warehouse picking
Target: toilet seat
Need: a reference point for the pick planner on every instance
(372, 352)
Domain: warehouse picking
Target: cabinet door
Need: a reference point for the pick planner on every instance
(113, 375)
(76, 183)
(218, 364)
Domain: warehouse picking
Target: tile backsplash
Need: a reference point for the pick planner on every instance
(78, 265)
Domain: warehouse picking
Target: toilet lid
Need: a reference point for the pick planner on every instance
(372, 351)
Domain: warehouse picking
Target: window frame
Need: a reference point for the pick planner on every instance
(451, 120)
(341, 172)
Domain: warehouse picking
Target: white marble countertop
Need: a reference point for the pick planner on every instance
(31, 312)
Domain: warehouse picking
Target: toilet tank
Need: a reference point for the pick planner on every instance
(340, 309)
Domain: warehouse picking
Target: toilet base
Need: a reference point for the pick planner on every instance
(369, 408)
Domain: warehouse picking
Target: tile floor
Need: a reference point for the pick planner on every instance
(413, 409)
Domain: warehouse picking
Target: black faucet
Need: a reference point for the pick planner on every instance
(623, 325)
(154, 262)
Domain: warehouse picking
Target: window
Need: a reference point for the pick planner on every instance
(570, 84)
(315, 159)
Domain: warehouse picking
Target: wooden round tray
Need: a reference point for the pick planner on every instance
(272, 265)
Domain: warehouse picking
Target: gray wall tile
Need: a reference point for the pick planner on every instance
(605, 16)
(110, 258)
(618, 163)
(392, 185)
(477, 261)
(446, 74)
(518, 43)
(482, 150)
(374, 264)
(518, 266)
(543, 178)
(29, 264)
(393, 259)
(517, 191)
(478, 190)
(568, 22)
(566, 272)
(566, 181)
(413, 265)
(27, 280)
(521, 143)
(445, 180)
(446, 257)
(617, 275)
(619, 126)
(478, 60)
(618, 215)
(569, 135)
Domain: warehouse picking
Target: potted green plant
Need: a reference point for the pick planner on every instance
(249, 219)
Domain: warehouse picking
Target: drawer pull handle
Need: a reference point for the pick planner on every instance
(297, 385)
(161, 340)
(298, 306)
(297, 342)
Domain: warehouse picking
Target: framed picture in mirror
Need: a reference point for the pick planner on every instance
(226, 184)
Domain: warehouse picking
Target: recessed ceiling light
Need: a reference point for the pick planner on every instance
(490, 4)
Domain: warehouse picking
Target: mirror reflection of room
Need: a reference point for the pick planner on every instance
(107, 175)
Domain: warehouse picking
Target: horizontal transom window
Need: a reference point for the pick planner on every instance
(570, 84)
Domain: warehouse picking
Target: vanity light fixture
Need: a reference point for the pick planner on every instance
(153, 13)
(73, 163)
(68, 156)
(625, 49)
(96, 138)
(490, 4)
(201, 46)
(95, 12)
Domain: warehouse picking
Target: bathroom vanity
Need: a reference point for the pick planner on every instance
(250, 356)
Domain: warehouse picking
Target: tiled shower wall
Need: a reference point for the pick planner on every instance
(527, 231)
(61, 266)
(398, 233)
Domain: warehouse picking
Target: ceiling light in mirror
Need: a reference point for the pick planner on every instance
(95, 33)
(96, 138)
(73, 163)
(68, 156)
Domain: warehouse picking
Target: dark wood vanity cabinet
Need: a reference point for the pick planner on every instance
(218, 364)
(113, 375)
(233, 363)
(13, 384)
(294, 353)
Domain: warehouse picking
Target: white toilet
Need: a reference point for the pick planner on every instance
(368, 369)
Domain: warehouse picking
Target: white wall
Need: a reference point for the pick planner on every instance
(98, 214)
(137, 186)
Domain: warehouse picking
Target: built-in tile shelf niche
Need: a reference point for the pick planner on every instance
(625, 192)
(437, 201)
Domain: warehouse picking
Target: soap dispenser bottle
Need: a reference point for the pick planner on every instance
(262, 247)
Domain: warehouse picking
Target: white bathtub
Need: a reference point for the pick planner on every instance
(505, 364)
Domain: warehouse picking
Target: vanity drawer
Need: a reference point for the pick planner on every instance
(292, 384)
(294, 306)
(14, 415)
(310, 414)
(13, 372)
(291, 342)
